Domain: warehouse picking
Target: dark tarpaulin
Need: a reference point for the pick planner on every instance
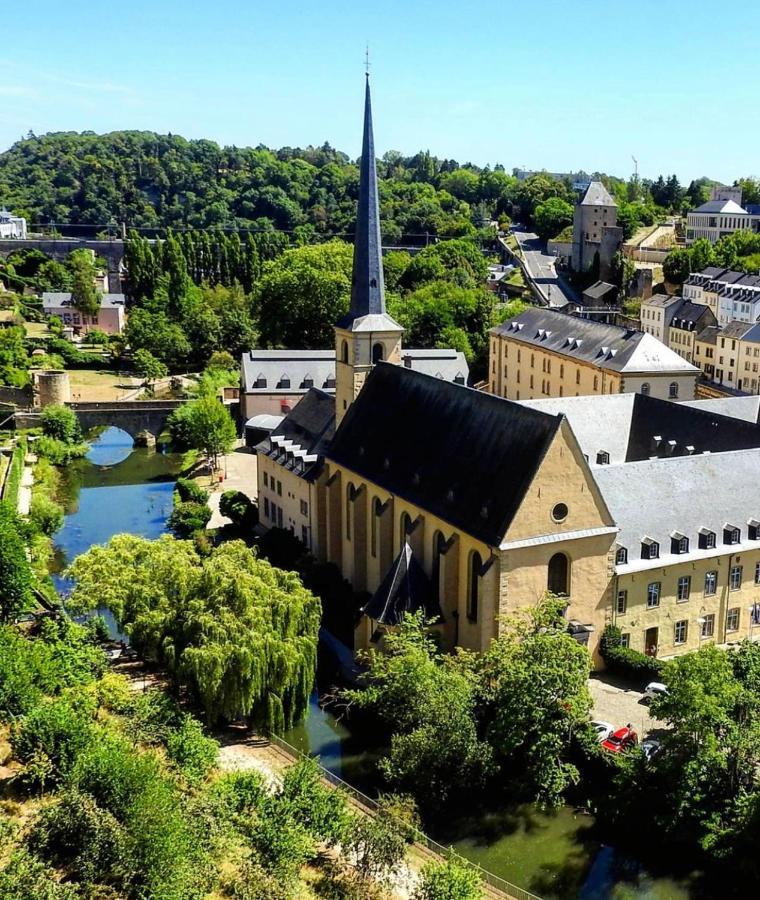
(405, 589)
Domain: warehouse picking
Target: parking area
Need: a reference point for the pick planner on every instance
(618, 703)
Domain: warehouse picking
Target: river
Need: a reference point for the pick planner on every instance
(117, 489)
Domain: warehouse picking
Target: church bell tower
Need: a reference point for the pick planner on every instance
(367, 334)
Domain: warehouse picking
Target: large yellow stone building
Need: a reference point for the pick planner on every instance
(544, 353)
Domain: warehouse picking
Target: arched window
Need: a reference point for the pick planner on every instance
(557, 581)
(405, 526)
(344, 351)
(673, 390)
(645, 389)
(377, 508)
(349, 508)
(435, 574)
(473, 594)
(377, 353)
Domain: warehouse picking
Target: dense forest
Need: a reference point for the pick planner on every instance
(155, 181)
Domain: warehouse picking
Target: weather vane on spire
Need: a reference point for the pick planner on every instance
(366, 60)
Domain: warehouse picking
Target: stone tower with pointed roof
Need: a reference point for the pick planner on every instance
(366, 334)
(595, 229)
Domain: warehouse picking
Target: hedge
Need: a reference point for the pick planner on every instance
(624, 661)
(16, 470)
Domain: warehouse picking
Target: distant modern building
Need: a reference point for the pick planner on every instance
(542, 353)
(12, 226)
(273, 381)
(111, 316)
(722, 214)
(596, 236)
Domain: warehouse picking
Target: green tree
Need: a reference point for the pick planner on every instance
(551, 216)
(701, 255)
(61, 423)
(303, 293)
(210, 428)
(427, 702)
(187, 517)
(677, 266)
(533, 696)
(148, 367)
(257, 660)
(84, 295)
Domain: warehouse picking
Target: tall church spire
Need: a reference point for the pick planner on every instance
(367, 285)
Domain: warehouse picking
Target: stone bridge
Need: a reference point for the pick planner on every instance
(133, 416)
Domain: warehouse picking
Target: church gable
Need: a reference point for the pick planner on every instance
(563, 496)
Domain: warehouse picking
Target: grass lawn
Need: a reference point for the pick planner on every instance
(37, 329)
(99, 384)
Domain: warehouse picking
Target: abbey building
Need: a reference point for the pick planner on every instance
(428, 494)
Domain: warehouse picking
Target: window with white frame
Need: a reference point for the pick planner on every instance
(625, 640)
(684, 588)
(622, 602)
(653, 594)
(680, 632)
(735, 579)
(711, 583)
(732, 619)
(621, 558)
(708, 626)
(757, 573)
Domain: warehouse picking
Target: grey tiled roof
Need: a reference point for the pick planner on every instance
(729, 207)
(597, 195)
(746, 408)
(57, 299)
(682, 495)
(299, 442)
(606, 346)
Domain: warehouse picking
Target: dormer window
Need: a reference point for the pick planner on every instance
(284, 381)
(308, 382)
(330, 382)
(679, 543)
(706, 539)
(621, 557)
(650, 549)
(753, 530)
(731, 534)
(261, 381)
(602, 458)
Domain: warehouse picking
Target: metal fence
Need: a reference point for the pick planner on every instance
(371, 806)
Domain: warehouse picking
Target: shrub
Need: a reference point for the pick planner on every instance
(190, 490)
(452, 879)
(187, 518)
(46, 514)
(180, 425)
(152, 715)
(98, 337)
(238, 794)
(59, 453)
(624, 661)
(26, 877)
(57, 731)
(235, 505)
(113, 692)
(77, 834)
(376, 845)
(61, 423)
(281, 844)
(321, 810)
(15, 571)
(194, 754)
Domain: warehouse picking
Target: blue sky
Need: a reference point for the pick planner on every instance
(555, 85)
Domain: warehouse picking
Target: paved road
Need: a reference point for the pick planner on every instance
(541, 267)
(618, 704)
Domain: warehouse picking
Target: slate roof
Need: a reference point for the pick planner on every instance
(320, 366)
(263, 370)
(405, 589)
(463, 455)
(631, 427)
(596, 194)
(606, 346)
(57, 299)
(682, 495)
(298, 443)
(747, 408)
(599, 290)
(687, 316)
(728, 207)
(709, 335)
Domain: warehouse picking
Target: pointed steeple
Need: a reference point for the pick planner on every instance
(367, 284)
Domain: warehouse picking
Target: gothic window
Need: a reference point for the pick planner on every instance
(344, 351)
(557, 581)
(377, 353)
(473, 595)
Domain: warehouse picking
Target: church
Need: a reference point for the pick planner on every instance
(430, 495)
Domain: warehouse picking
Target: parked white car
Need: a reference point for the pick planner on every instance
(603, 730)
(654, 689)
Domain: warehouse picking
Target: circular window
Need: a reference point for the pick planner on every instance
(559, 513)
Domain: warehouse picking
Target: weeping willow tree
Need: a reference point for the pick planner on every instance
(236, 632)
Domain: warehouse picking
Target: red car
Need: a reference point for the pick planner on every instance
(621, 740)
